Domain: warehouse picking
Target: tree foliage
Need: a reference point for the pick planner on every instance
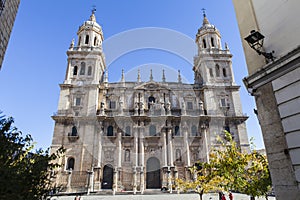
(231, 169)
(23, 175)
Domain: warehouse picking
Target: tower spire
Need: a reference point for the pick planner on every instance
(205, 20)
(151, 76)
(139, 76)
(163, 76)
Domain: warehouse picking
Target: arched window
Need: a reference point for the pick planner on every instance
(224, 72)
(87, 38)
(110, 131)
(70, 163)
(74, 131)
(75, 71)
(82, 68)
(204, 43)
(177, 131)
(212, 42)
(127, 155)
(150, 100)
(127, 131)
(95, 41)
(89, 70)
(217, 70)
(194, 130)
(152, 130)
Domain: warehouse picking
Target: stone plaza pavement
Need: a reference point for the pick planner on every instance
(162, 196)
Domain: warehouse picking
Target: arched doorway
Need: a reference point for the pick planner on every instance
(107, 180)
(153, 174)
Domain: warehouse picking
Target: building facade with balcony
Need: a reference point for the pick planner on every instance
(275, 85)
(142, 135)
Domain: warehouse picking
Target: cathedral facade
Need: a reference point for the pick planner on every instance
(140, 135)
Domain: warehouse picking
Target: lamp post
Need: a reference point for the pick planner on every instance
(256, 41)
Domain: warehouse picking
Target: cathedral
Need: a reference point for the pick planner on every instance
(134, 136)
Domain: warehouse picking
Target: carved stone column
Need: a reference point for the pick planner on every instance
(165, 157)
(135, 147)
(142, 152)
(134, 180)
(187, 148)
(171, 159)
(100, 144)
(142, 182)
(206, 149)
(115, 181)
(119, 143)
(170, 180)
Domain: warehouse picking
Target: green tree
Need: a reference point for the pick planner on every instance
(23, 175)
(231, 169)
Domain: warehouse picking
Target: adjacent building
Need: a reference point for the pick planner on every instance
(138, 135)
(8, 12)
(275, 84)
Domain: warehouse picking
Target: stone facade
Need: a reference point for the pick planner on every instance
(144, 134)
(275, 86)
(8, 12)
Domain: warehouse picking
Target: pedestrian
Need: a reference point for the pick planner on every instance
(230, 196)
(223, 197)
(77, 197)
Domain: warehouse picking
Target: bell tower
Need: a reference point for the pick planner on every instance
(212, 64)
(85, 71)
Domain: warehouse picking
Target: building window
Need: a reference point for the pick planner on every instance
(127, 155)
(152, 130)
(150, 100)
(227, 128)
(211, 73)
(95, 41)
(74, 131)
(212, 42)
(190, 105)
(77, 101)
(204, 43)
(89, 70)
(217, 70)
(127, 131)
(177, 131)
(194, 130)
(224, 103)
(224, 72)
(75, 71)
(87, 38)
(70, 164)
(79, 40)
(110, 131)
(82, 68)
(112, 105)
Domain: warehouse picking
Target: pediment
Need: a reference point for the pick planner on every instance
(151, 85)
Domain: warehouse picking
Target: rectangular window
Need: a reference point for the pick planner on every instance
(112, 105)
(211, 72)
(190, 105)
(77, 101)
(223, 102)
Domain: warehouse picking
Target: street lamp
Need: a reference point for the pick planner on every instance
(256, 41)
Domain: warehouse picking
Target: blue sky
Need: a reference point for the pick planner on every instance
(35, 61)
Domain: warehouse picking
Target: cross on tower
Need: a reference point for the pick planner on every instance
(94, 9)
(203, 10)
